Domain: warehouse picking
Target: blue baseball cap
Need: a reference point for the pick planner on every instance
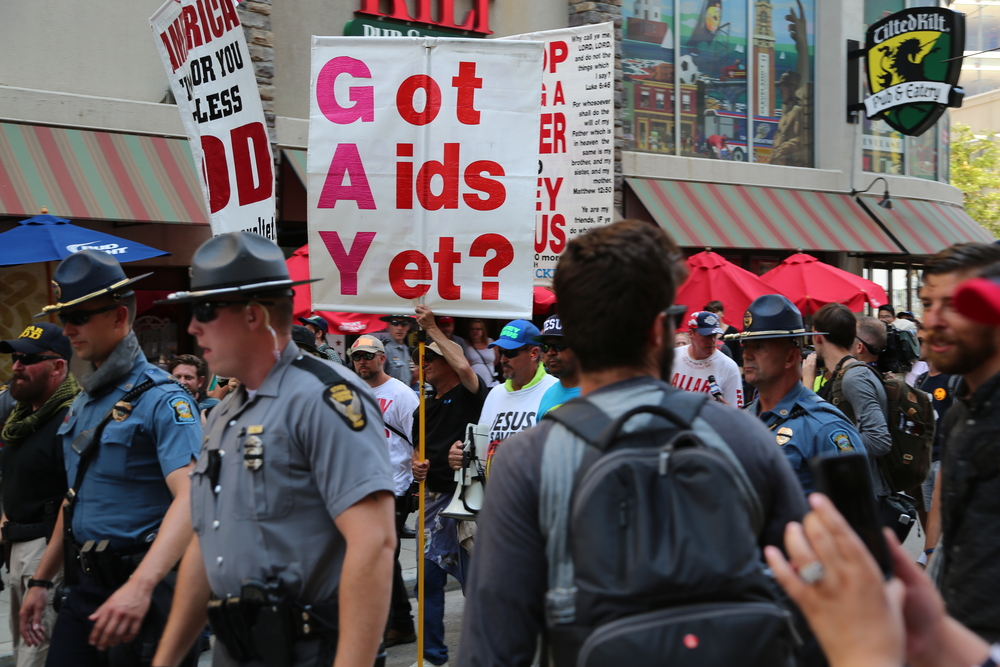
(316, 321)
(705, 323)
(516, 334)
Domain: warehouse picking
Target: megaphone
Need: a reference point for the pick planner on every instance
(468, 497)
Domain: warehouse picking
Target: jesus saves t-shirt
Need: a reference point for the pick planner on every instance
(692, 375)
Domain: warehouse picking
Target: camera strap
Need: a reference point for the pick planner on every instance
(88, 443)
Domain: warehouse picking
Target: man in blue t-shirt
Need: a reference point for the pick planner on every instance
(560, 362)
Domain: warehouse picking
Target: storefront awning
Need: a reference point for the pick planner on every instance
(297, 159)
(738, 216)
(927, 227)
(81, 174)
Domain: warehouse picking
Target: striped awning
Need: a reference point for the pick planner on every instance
(927, 227)
(738, 216)
(81, 174)
(297, 159)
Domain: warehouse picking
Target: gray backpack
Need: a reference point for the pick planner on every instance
(652, 544)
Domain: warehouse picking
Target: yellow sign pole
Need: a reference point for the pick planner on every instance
(421, 337)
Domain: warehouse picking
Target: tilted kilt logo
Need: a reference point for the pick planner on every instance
(911, 71)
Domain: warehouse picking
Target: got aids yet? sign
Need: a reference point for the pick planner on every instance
(423, 157)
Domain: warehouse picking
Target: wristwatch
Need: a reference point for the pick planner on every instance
(43, 583)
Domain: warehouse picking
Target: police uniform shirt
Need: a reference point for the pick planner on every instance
(804, 426)
(124, 494)
(397, 361)
(289, 460)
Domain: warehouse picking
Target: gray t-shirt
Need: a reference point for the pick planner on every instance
(505, 593)
(871, 413)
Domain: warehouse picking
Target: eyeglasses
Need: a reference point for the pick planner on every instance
(676, 312)
(871, 350)
(511, 354)
(557, 346)
(367, 356)
(29, 359)
(80, 317)
(204, 311)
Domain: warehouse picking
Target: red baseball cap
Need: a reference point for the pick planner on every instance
(979, 300)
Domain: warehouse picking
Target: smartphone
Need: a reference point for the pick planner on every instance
(846, 480)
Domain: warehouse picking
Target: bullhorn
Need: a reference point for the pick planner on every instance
(468, 497)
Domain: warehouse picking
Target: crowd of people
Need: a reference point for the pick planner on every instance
(632, 482)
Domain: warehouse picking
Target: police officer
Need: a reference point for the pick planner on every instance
(804, 425)
(129, 441)
(397, 354)
(292, 497)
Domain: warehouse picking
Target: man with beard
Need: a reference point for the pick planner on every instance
(192, 372)
(803, 424)
(32, 461)
(397, 402)
(560, 362)
(618, 277)
(129, 441)
(967, 560)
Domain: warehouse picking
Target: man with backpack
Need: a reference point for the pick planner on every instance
(657, 555)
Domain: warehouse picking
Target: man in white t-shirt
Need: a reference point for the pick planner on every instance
(398, 403)
(694, 363)
(511, 407)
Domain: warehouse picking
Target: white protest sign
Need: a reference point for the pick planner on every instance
(423, 161)
(576, 182)
(205, 54)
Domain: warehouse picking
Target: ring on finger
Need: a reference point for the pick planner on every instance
(812, 573)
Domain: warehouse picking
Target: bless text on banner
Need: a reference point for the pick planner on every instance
(423, 164)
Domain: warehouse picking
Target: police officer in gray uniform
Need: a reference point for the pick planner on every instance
(804, 425)
(397, 353)
(129, 440)
(292, 497)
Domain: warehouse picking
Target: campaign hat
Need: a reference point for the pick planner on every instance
(772, 316)
(410, 319)
(241, 264)
(38, 338)
(86, 275)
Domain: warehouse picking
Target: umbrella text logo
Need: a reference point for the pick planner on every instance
(110, 248)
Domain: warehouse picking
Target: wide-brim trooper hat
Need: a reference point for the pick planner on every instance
(86, 275)
(772, 316)
(237, 264)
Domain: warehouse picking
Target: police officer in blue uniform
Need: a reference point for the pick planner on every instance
(292, 499)
(129, 441)
(804, 425)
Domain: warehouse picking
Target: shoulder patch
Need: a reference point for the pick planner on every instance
(347, 403)
(842, 440)
(183, 413)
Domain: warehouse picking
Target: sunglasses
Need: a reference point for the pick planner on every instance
(367, 356)
(511, 354)
(29, 359)
(80, 317)
(676, 313)
(557, 346)
(398, 323)
(205, 311)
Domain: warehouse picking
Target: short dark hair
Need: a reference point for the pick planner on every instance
(962, 257)
(714, 307)
(838, 322)
(888, 308)
(872, 331)
(614, 281)
(200, 367)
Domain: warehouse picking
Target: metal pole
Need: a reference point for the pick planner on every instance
(421, 339)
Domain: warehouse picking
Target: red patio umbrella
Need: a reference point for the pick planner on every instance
(811, 284)
(340, 323)
(713, 278)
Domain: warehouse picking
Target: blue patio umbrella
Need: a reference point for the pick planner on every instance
(46, 238)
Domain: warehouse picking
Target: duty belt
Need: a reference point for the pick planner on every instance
(111, 568)
(23, 532)
(263, 624)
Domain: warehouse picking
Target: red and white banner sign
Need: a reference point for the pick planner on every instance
(205, 53)
(423, 162)
(576, 172)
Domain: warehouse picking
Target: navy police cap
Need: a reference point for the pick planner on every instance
(86, 275)
(772, 316)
